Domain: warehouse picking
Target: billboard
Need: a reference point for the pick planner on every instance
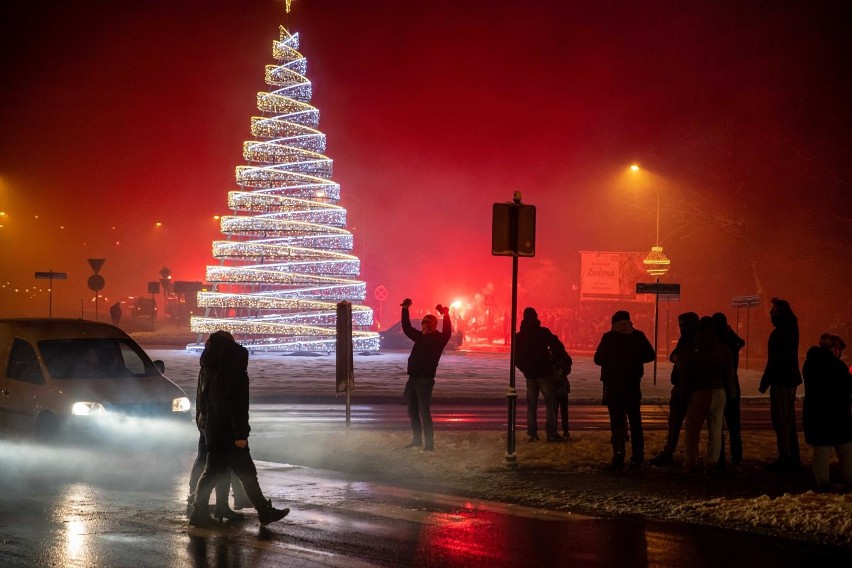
(612, 276)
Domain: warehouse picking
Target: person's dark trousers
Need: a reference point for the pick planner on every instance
(419, 404)
(678, 404)
(543, 386)
(562, 408)
(198, 465)
(733, 423)
(618, 407)
(216, 469)
(782, 407)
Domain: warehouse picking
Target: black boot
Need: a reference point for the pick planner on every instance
(224, 512)
(269, 514)
(200, 517)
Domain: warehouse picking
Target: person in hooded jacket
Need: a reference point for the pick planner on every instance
(827, 409)
(707, 374)
(781, 377)
(241, 501)
(224, 398)
(428, 347)
(536, 351)
(733, 421)
(621, 355)
(679, 398)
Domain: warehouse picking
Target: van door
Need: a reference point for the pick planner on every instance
(22, 384)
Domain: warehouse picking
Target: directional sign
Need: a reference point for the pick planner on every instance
(657, 288)
(744, 301)
(51, 275)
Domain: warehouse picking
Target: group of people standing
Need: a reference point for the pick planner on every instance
(705, 389)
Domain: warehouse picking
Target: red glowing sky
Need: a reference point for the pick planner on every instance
(116, 116)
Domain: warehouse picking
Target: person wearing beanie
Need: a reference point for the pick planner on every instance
(679, 398)
(621, 355)
(537, 349)
(781, 377)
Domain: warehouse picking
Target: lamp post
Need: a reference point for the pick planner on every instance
(656, 264)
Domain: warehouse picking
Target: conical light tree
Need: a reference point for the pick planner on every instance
(287, 257)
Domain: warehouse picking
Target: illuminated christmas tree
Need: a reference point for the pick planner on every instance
(286, 260)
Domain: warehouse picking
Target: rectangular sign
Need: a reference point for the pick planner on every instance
(53, 275)
(744, 301)
(611, 276)
(503, 217)
(657, 288)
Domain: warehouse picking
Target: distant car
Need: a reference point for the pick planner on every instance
(394, 338)
(58, 375)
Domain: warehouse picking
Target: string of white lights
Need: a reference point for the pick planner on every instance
(287, 258)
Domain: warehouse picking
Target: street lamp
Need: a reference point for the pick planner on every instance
(656, 263)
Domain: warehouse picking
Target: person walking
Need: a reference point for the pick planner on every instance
(733, 421)
(224, 396)
(423, 361)
(537, 349)
(241, 501)
(707, 374)
(621, 355)
(827, 409)
(679, 398)
(781, 377)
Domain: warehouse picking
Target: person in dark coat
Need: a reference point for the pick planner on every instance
(241, 500)
(428, 347)
(621, 354)
(735, 343)
(827, 409)
(707, 374)
(224, 399)
(782, 376)
(678, 399)
(536, 350)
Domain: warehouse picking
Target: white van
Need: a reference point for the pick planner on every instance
(60, 374)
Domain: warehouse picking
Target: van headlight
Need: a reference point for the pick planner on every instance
(180, 404)
(87, 408)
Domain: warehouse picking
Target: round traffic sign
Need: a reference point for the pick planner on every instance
(381, 293)
(96, 282)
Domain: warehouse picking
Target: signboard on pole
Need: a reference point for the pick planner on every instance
(513, 229)
(611, 276)
(657, 288)
(745, 301)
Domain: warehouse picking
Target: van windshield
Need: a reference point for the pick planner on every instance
(94, 359)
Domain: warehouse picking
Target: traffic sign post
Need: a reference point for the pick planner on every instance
(381, 294)
(51, 276)
(657, 288)
(513, 234)
(96, 282)
(747, 302)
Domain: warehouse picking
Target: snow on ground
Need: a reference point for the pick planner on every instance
(557, 476)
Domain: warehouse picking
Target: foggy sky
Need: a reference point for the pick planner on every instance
(117, 116)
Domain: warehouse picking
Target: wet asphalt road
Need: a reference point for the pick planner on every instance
(126, 510)
(123, 505)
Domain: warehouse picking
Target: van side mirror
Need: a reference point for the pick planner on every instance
(160, 366)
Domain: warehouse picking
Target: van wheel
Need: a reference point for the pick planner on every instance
(46, 426)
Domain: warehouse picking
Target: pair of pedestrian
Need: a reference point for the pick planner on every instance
(542, 358)
(222, 401)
